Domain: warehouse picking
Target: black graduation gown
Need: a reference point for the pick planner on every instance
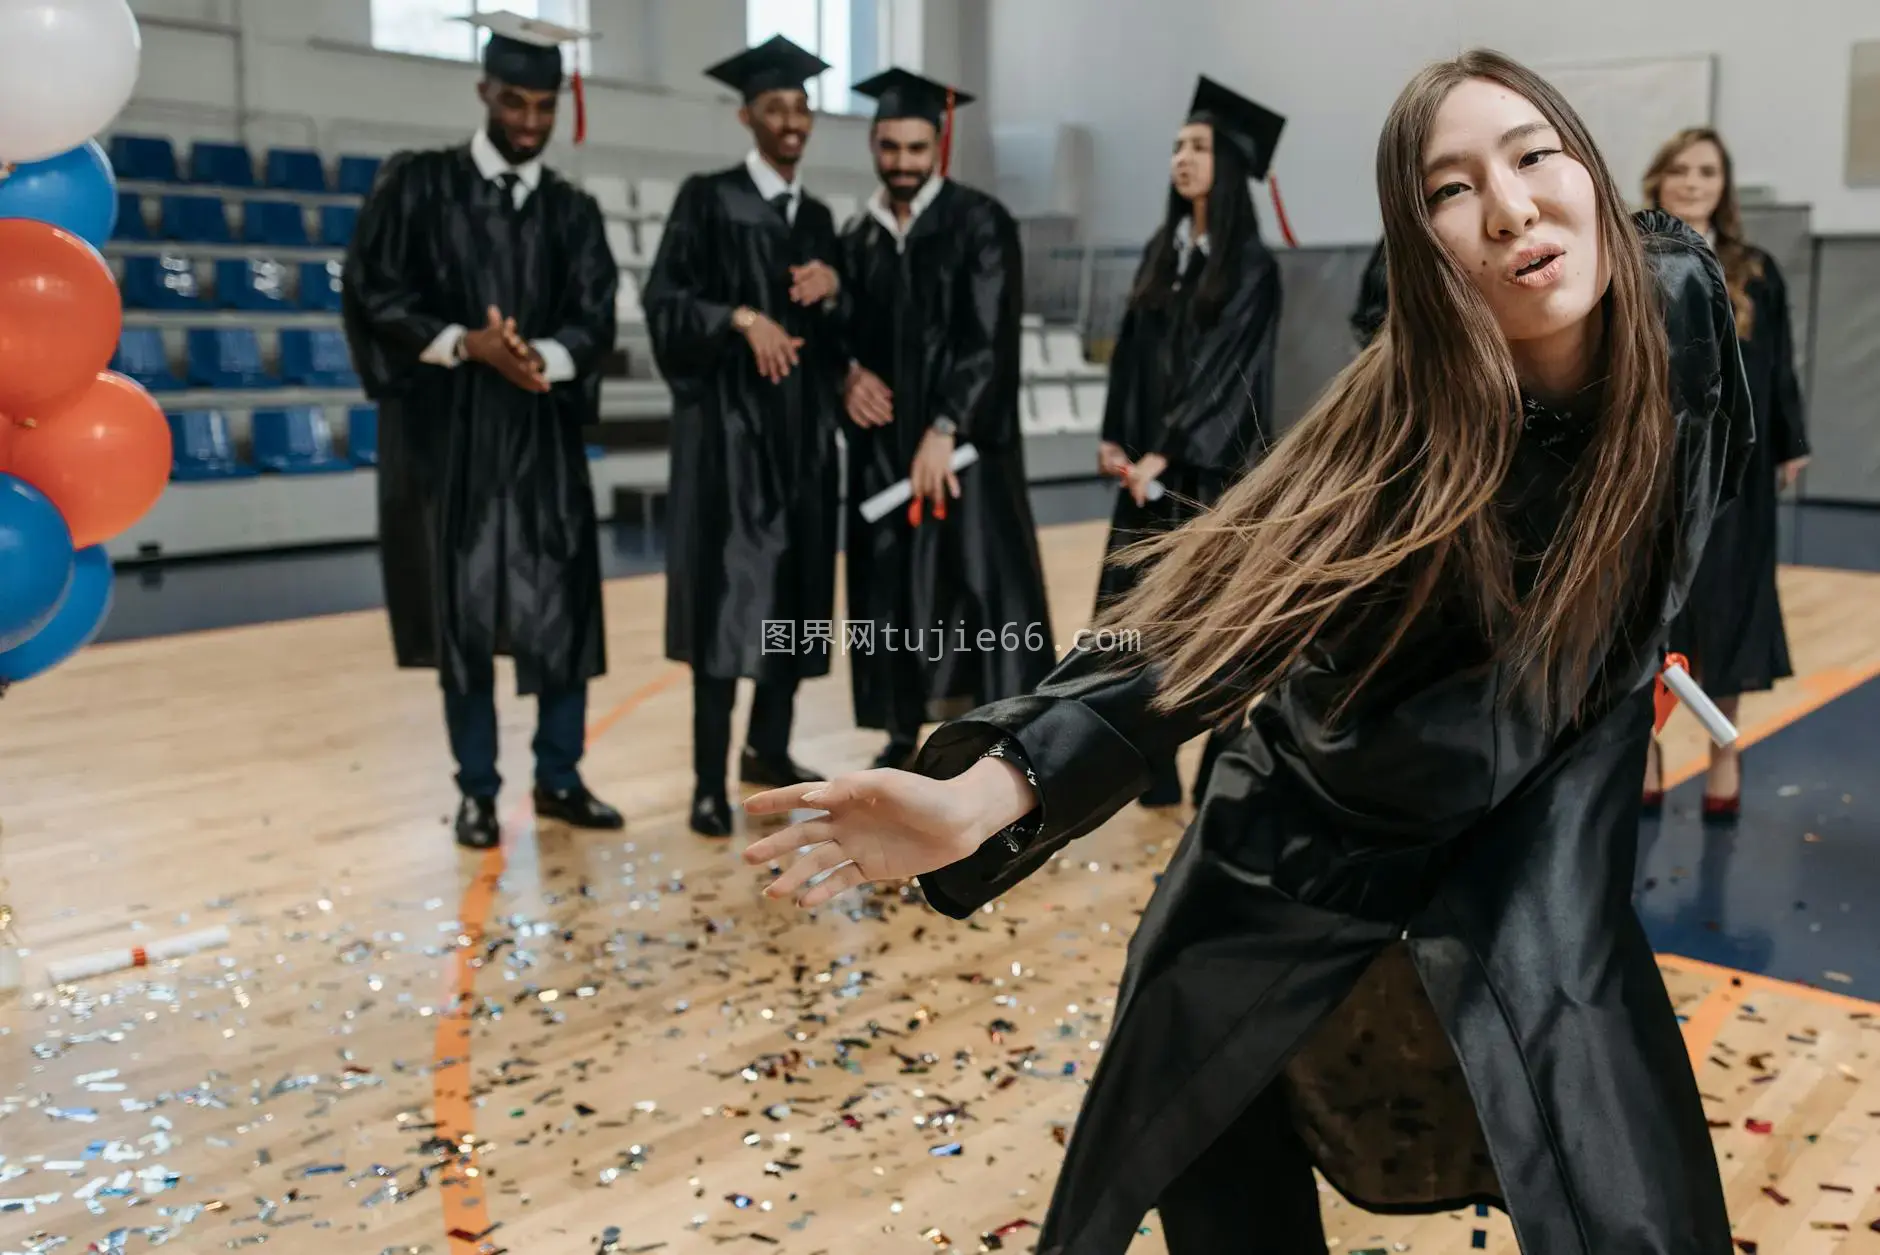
(1373, 307)
(487, 527)
(752, 506)
(1732, 627)
(1198, 395)
(965, 595)
(1418, 923)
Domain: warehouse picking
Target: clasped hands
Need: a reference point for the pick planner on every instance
(1136, 476)
(774, 348)
(884, 824)
(498, 345)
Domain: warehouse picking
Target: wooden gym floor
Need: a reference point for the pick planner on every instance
(592, 1043)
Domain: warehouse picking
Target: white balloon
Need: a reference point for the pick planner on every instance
(67, 67)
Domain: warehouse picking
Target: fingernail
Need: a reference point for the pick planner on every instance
(815, 795)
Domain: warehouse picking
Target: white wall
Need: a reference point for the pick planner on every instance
(302, 72)
(1125, 69)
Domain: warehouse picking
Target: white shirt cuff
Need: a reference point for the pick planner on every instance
(443, 350)
(557, 362)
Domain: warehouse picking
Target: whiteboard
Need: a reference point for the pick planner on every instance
(1634, 106)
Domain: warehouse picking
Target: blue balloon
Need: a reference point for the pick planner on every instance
(76, 191)
(35, 560)
(72, 627)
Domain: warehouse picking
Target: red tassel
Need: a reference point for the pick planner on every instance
(1279, 208)
(946, 137)
(580, 109)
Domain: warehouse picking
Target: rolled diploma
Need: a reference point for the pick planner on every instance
(876, 507)
(1155, 489)
(1680, 682)
(65, 971)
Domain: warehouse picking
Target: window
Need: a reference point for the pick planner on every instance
(435, 28)
(851, 35)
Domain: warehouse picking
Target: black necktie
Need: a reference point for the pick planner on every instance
(781, 203)
(508, 182)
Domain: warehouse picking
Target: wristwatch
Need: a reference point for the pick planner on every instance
(944, 427)
(744, 318)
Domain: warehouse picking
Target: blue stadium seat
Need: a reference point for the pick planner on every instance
(165, 282)
(250, 283)
(321, 285)
(196, 220)
(296, 441)
(362, 435)
(316, 358)
(277, 222)
(356, 174)
(131, 223)
(140, 355)
(296, 170)
(336, 224)
(200, 447)
(148, 157)
(227, 357)
(225, 165)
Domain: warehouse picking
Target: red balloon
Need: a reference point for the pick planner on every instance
(60, 315)
(6, 440)
(103, 458)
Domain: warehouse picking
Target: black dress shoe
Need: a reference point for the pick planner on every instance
(897, 754)
(772, 771)
(711, 815)
(576, 807)
(477, 827)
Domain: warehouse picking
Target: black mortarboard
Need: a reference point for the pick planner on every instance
(776, 64)
(901, 93)
(1252, 129)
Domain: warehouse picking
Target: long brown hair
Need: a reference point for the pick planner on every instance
(1742, 265)
(1380, 501)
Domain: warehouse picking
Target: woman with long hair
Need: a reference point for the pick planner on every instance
(1397, 944)
(1731, 628)
(1191, 379)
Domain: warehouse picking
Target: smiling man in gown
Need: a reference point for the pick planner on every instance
(951, 588)
(740, 305)
(479, 306)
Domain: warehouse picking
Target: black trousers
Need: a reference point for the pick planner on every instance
(773, 709)
(1252, 1192)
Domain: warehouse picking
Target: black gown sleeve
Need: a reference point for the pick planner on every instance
(1225, 398)
(1367, 319)
(690, 330)
(1087, 734)
(385, 307)
(1121, 399)
(971, 366)
(1788, 436)
(587, 326)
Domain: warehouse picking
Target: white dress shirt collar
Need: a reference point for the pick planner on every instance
(770, 184)
(493, 165)
(1186, 243)
(879, 209)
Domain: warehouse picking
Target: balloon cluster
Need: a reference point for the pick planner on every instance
(84, 451)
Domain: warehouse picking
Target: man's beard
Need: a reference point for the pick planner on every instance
(904, 192)
(500, 138)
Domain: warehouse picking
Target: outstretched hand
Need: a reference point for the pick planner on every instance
(876, 825)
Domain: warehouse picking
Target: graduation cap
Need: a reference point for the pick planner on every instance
(774, 65)
(1249, 127)
(902, 93)
(526, 52)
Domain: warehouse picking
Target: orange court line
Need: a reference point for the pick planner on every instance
(1818, 688)
(466, 1216)
(1734, 988)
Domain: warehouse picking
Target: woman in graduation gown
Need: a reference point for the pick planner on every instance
(1191, 379)
(1397, 943)
(1731, 628)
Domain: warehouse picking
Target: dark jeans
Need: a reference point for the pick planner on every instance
(773, 709)
(560, 738)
